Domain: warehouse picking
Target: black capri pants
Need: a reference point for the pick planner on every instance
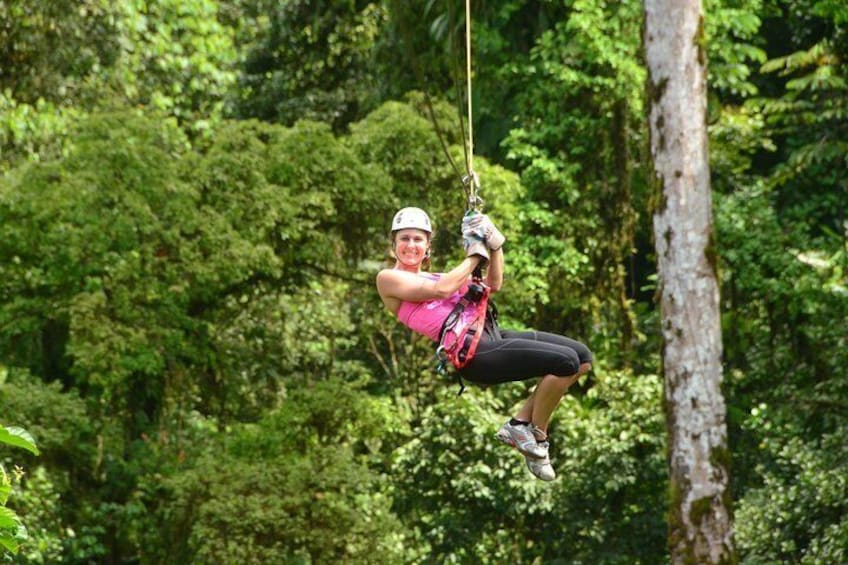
(504, 356)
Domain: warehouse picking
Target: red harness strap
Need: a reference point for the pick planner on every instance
(464, 327)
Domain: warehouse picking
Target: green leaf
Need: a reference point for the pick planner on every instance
(5, 488)
(8, 519)
(10, 541)
(18, 437)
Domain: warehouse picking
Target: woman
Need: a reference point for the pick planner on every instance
(422, 301)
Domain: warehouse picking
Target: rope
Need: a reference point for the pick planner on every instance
(470, 164)
(471, 182)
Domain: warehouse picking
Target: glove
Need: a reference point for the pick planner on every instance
(494, 238)
(482, 226)
(473, 239)
(471, 225)
(475, 245)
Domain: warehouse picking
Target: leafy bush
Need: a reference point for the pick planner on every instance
(799, 513)
(295, 487)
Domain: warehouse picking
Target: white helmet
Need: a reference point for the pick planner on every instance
(411, 218)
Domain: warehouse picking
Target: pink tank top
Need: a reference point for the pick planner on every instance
(427, 317)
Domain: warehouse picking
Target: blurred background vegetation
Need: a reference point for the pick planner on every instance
(195, 200)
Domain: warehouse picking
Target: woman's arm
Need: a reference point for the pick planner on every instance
(409, 287)
(494, 274)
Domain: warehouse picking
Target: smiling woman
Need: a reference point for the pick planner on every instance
(424, 302)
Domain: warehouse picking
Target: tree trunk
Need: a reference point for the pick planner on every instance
(699, 518)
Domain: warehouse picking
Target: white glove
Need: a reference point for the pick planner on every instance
(482, 226)
(475, 246)
(473, 239)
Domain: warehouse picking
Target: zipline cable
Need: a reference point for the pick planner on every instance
(471, 183)
(470, 163)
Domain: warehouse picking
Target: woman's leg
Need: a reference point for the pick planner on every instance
(544, 399)
(559, 360)
(523, 355)
(520, 356)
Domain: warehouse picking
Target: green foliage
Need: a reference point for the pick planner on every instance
(49, 50)
(18, 437)
(309, 333)
(49, 497)
(12, 531)
(166, 280)
(731, 44)
(736, 137)
(312, 62)
(579, 121)
(613, 461)
(781, 235)
(38, 501)
(30, 131)
(814, 99)
(808, 115)
(799, 513)
(140, 260)
(780, 300)
(58, 418)
(203, 308)
(403, 142)
(334, 190)
(84, 253)
(176, 58)
(294, 487)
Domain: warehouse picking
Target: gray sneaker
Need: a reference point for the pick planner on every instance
(542, 467)
(521, 438)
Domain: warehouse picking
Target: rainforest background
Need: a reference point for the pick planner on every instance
(195, 200)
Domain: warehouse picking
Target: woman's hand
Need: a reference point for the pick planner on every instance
(483, 227)
(473, 239)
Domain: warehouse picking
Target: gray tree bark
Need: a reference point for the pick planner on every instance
(700, 528)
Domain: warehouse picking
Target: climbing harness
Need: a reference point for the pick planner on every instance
(462, 330)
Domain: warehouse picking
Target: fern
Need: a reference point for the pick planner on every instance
(818, 54)
(812, 111)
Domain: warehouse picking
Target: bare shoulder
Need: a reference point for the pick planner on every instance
(411, 287)
(388, 273)
(388, 280)
(388, 276)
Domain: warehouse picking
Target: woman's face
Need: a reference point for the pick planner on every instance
(411, 246)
